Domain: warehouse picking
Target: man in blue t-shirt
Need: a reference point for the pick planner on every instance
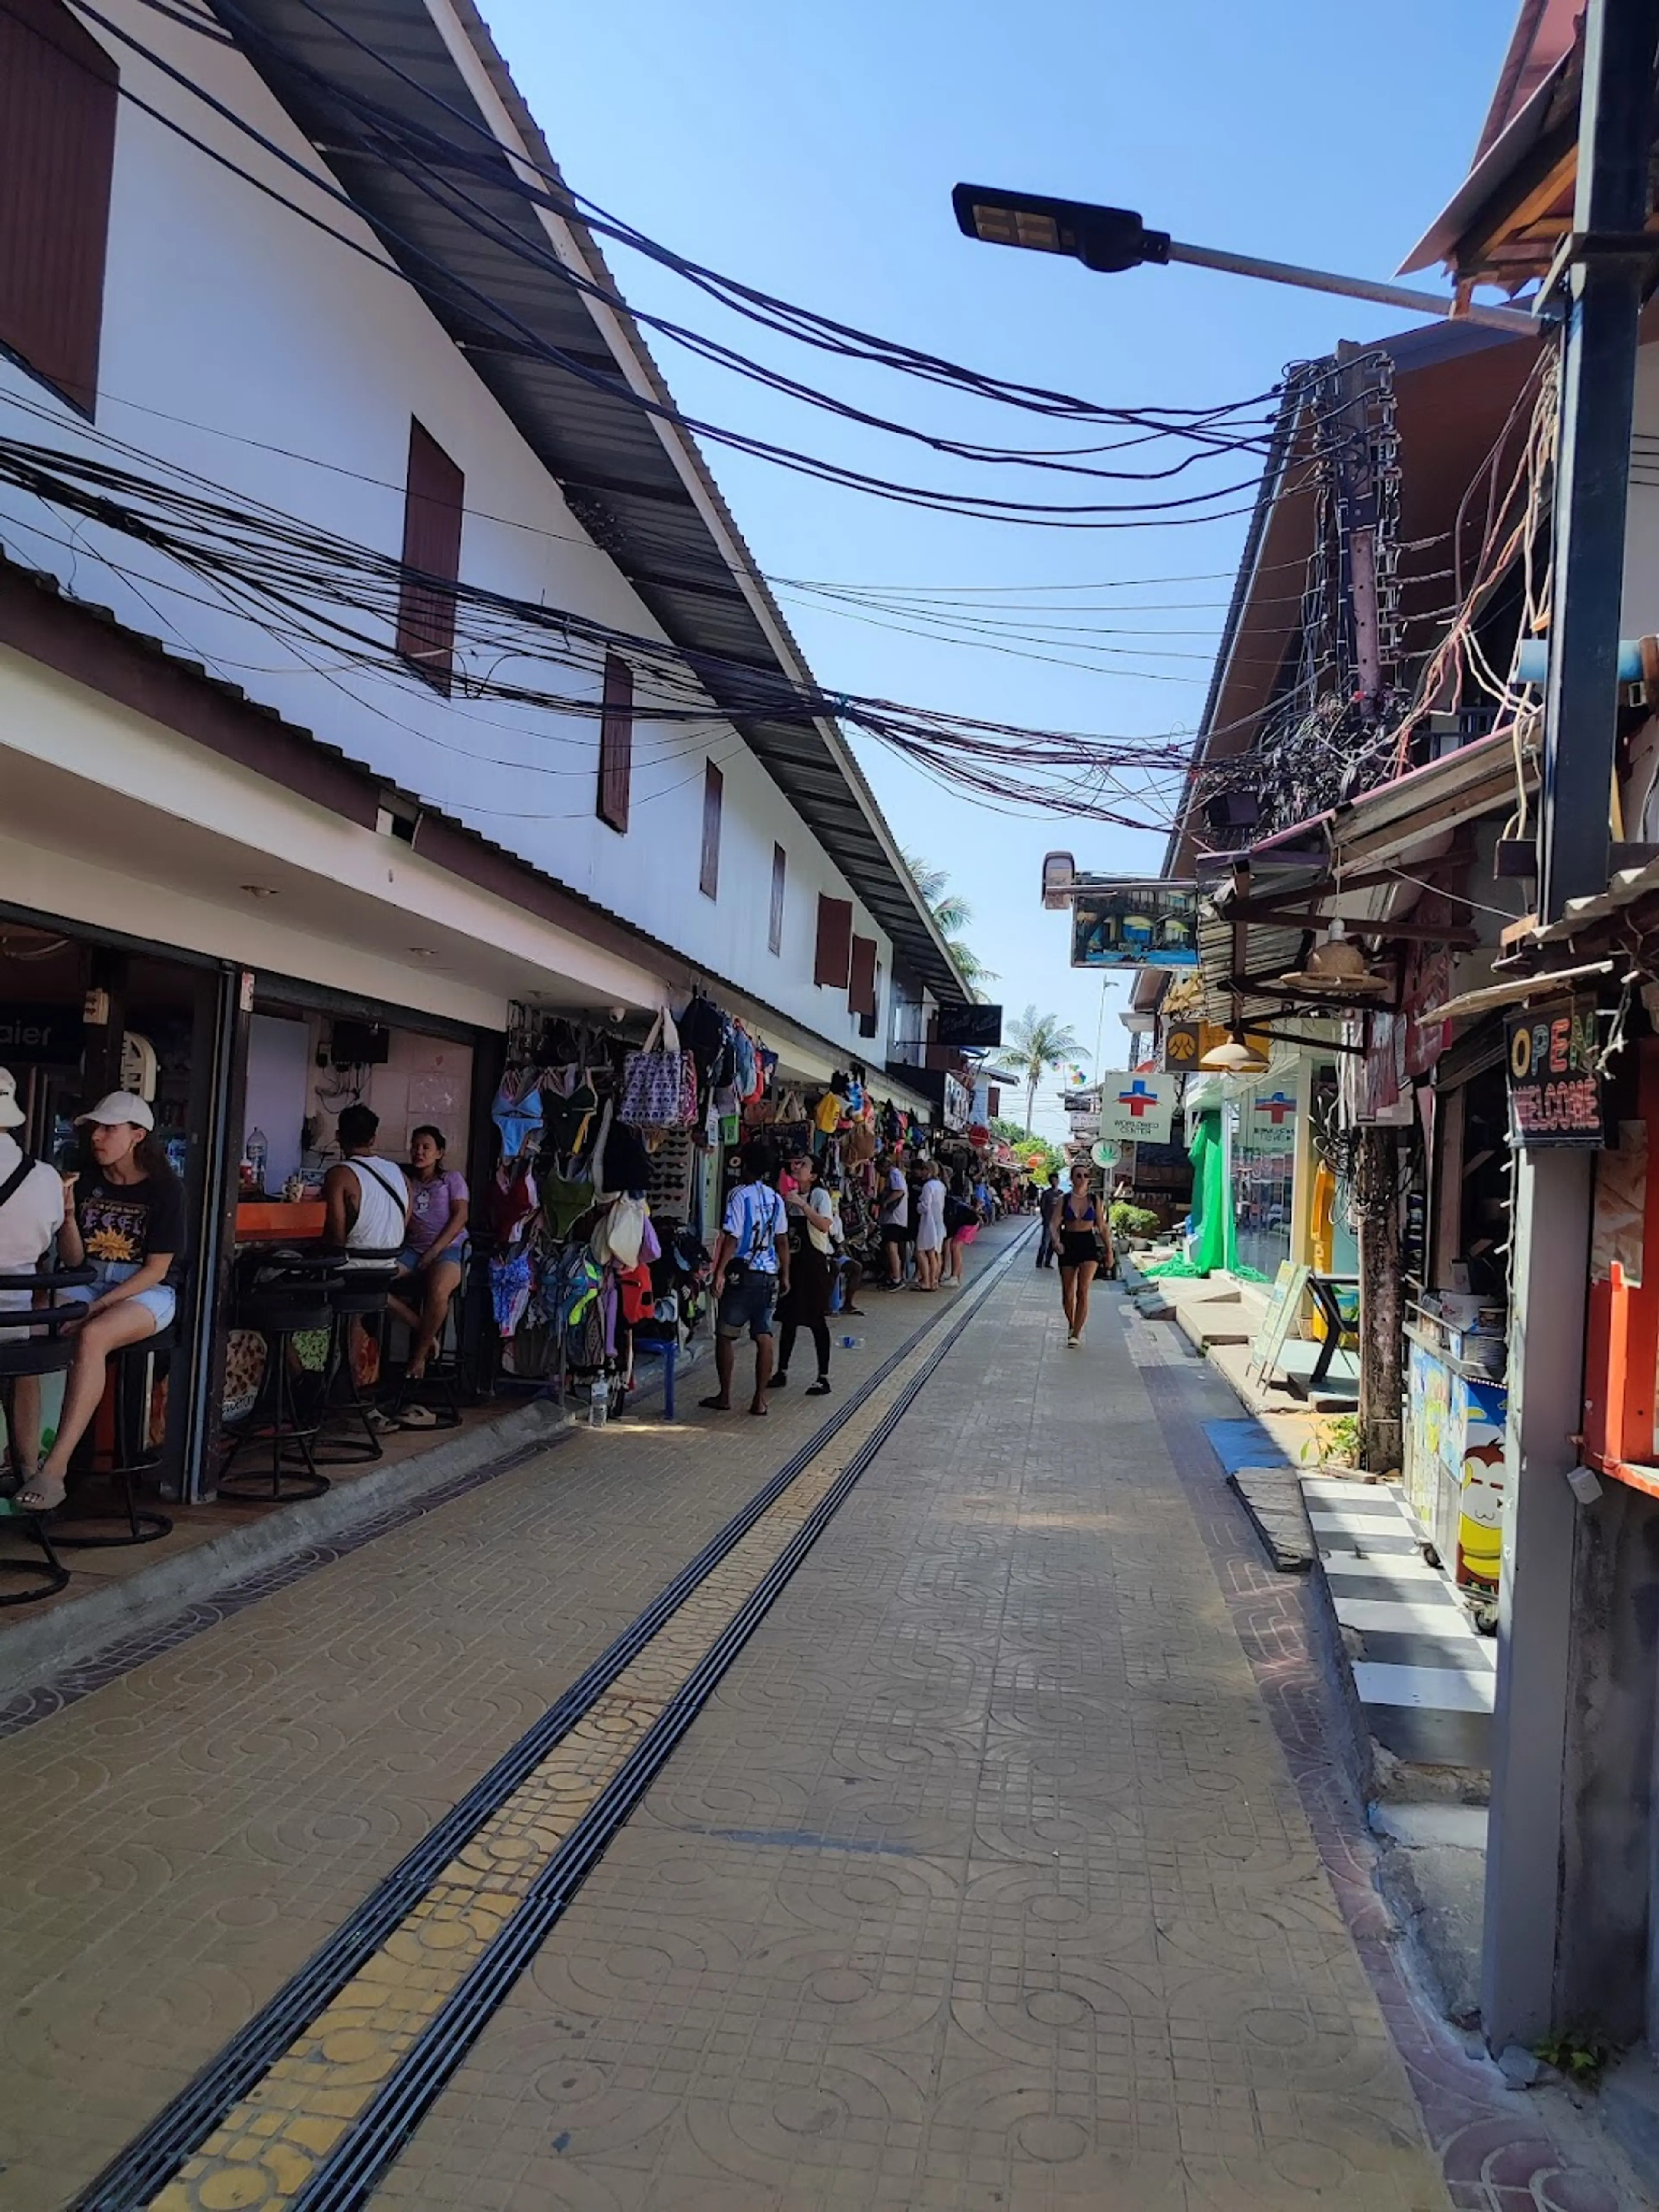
(751, 1272)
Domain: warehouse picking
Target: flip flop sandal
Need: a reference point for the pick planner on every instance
(417, 1417)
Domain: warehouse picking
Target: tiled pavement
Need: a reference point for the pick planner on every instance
(181, 1839)
(980, 1883)
(984, 1880)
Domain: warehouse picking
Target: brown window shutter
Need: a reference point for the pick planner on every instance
(713, 792)
(833, 961)
(780, 880)
(868, 1023)
(433, 506)
(861, 979)
(993, 1102)
(58, 97)
(615, 742)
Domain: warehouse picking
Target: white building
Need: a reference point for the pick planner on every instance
(302, 268)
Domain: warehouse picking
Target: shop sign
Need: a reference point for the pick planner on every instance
(1555, 1091)
(1136, 925)
(41, 1037)
(1183, 1043)
(968, 1028)
(959, 1104)
(1136, 1106)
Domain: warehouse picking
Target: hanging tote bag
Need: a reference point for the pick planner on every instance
(659, 1081)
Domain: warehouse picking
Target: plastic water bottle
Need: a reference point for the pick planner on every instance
(598, 1403)
(257, 1152)
(851, 1343)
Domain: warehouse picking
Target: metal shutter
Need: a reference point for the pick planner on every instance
(616, 743)
(833, 960)
(57, 105)
(433, 505)
(861, 982)
(714, 789)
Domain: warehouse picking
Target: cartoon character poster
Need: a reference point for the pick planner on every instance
(1480, 1421)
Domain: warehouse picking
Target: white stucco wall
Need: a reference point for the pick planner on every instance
(232, 328)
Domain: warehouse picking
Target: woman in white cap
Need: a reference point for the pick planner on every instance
(129, 1221)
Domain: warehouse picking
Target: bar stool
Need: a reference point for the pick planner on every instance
(281, 1295)
(360, 1295)
(44, 1351)
(133, 1455)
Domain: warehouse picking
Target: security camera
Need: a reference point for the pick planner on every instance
(619, 1014)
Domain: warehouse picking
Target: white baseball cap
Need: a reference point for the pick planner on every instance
(11, 1113)
(119, 1106)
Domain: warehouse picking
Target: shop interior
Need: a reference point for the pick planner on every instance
(306, 1065)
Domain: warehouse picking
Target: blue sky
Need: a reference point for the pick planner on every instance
(811, 152)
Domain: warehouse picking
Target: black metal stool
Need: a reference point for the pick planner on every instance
(445, 1377)
(359, 1297)
(134, 1456)
(44, 1351)
(281, 1295)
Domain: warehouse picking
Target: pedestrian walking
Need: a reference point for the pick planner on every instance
(930, 1227)
(806, 1304)
(751, 1266)
(963, 1217)
(1085, 1245)
(1048, 1206)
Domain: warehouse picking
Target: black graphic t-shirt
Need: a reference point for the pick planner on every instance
(122, 1222)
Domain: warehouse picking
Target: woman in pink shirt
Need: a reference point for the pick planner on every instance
(431, 1263)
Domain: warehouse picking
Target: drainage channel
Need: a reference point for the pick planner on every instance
(310, 2102)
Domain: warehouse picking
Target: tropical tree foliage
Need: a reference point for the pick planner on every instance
(1037, 1044)
(953, 915)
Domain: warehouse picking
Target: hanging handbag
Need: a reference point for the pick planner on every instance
(659, 1081)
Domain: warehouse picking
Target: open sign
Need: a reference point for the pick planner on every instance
(1555, 1084)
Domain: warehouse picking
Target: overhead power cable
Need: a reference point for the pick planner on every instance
(301, 583)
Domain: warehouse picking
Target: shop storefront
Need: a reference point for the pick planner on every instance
(84, 1013)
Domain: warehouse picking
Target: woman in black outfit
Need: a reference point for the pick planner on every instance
(1085, 1244)
(805, 1303)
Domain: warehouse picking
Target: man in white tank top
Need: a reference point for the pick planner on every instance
(365, 1197)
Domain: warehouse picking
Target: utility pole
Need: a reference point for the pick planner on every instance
(1539, 1903)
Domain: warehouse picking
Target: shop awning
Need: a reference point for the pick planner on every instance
(1517, 989)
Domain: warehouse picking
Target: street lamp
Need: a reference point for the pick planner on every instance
(1110, 240)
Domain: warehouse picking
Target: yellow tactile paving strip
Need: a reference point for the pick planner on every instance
(271, 2143)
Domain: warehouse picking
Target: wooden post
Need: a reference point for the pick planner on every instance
(1382, 1381)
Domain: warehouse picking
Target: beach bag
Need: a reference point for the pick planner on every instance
(659, 1081)
(619, 1232)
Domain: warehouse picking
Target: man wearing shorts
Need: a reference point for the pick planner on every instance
(895, 1215)
(751, 1270)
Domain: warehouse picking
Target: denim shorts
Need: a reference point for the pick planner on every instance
(747, 1304)
(160, 1303)
(410, 1260)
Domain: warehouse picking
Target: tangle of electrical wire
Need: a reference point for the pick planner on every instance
(308, 586)
(445, 281)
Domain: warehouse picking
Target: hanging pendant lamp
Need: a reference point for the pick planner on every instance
(1338, 966)
(1233, 1058)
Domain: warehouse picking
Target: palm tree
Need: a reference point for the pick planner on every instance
(1036, 1044)
(953, 914)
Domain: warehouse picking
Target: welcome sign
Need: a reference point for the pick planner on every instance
(1555, 1084)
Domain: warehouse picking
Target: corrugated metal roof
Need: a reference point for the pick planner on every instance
(634, 483)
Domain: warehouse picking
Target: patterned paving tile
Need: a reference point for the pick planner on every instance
(982, 1880)
(182, 1833)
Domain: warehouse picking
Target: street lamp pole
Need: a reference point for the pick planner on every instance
(1109, 240)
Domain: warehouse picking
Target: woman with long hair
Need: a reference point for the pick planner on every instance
(1085, 1245)
(805, 1303)
(127, 1217)
(434, 1258)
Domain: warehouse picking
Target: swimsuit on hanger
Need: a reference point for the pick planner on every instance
(517, 1112)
